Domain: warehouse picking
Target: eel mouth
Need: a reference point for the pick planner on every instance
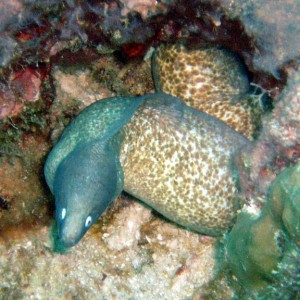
(68, 234)
(68, 242)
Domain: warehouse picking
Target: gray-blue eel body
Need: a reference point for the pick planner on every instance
(176, 159)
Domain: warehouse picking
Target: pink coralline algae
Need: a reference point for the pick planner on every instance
(24, 85)
(143, 7)
(10, 109)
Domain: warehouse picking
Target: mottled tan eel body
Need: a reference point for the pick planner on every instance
(212, 80)
(183, 166)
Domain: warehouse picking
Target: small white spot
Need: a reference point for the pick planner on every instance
(159, 237)
(88, 221)
(63, 213)
(252, 209)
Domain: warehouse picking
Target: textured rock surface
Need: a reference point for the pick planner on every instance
(129, 255)
(265, 34)
(278, 144)
(275, 28)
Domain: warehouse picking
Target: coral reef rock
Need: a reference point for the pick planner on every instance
(133, 256)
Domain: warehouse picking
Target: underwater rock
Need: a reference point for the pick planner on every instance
(161, 262)
(274, 28)
(259, 241)
(278, 145)
(38, 33)
(24, 86)
(212, 80)
(21, 185)
(140, 6)
(80, 86)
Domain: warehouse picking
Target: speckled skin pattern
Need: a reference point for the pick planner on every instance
(167, 154)
(212, 80)
(178, 160)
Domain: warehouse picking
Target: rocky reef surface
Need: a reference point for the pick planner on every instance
(56, 58)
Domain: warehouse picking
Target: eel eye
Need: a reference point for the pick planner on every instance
(88, 221)
(63, 213)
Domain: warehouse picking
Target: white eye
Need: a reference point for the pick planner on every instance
(63, 213)
(88, 221)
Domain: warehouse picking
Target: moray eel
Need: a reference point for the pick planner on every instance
(165, 153)
(212, 80)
